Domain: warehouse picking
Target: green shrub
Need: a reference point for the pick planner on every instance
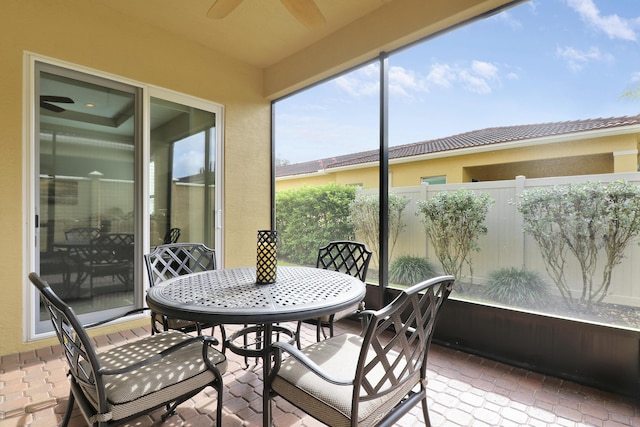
(408, 270)
(309, 217)
(517, 287)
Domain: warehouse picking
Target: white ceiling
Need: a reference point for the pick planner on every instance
(258, 32)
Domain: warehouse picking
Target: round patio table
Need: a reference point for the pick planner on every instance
(231, 296)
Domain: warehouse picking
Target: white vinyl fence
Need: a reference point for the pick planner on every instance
(505, 244)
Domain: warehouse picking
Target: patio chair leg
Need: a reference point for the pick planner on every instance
(425, 412)
(69, 410)
(219, 390)
(298, 332)
(223, 334)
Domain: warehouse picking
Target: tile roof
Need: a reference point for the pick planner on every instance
(476, 138)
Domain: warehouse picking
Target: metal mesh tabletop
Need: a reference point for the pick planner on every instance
(232, 295)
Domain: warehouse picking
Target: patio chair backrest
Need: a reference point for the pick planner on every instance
(345, 256)
(112, 248)
(396, 340)
(371, 379)
(173, 260)
(172, 236)
(177, 259)
(78, 348)
(81, 234)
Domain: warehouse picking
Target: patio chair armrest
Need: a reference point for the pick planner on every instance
(206, 341)
(365, 317)
(294, 352)
(111, 319)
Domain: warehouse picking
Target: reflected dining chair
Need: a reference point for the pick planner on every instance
(132, 379)
(172, 236)
(347, 257)
(104, 255)
(81, 234)
(371, 379)
(173, 260)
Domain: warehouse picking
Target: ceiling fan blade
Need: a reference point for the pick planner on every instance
(221, 8)
(45, 102)
(305, 11)
(51, 107)
(59, 99)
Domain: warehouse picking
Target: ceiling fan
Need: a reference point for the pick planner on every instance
(305, 11)
(47, 100)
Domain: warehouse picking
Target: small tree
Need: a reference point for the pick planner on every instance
(364, 214)
(454, 221)
(586, 220)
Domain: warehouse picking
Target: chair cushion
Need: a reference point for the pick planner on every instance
(176, 374)
(180, 324)
(330, 403)
(343, 313)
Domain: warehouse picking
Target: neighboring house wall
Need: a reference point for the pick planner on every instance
(499, 161)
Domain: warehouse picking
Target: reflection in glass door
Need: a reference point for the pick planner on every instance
(182, 172)
(86, 209)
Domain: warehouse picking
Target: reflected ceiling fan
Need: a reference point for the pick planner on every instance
(49, 101)
(305, 11)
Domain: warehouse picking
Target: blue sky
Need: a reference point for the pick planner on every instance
(541, 61)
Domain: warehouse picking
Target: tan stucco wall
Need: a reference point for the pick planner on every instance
(82, 33)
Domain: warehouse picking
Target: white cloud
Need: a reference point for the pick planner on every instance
(475, 83)
(635, 77)
(478, 77)
(402, 81)
(441, 75)
(484, 70)
(577, 59)
(613, 26)
(363, 82)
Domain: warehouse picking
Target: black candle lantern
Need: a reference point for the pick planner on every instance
(267, 261)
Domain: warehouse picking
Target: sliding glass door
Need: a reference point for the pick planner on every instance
(117, 166)
(86, 210)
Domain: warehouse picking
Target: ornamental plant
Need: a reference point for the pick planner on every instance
(408, 270)
(517, 287)
(364, 214)
(593, 222)
(454, 221)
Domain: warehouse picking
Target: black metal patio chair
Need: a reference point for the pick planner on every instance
(104, 255)
(81, 234)
(172, 236)
(347, 257)
(371, 379)
(124, 382)
(173, 260)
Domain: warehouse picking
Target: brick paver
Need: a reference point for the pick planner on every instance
(464, 390)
